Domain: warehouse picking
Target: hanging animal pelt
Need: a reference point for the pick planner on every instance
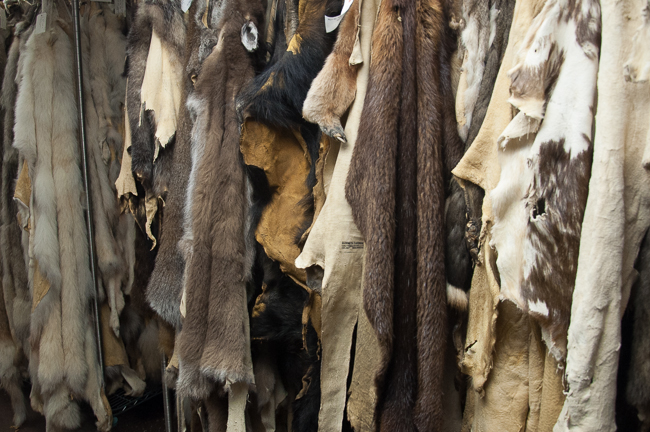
(277, 335)
(485, 39)
(165, 18)
(406, 148)
(166, 283)
(63, 364)
(15, 304)
(275, 98)
(213, 346)
(545, 157)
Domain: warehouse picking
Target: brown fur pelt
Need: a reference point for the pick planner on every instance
(213, 342)
(406, 148)
(333, 90)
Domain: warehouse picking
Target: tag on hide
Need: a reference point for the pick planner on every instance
(120, 7)
(331, 23)
(3, 19)
(249, 36)
(41, 23)
(185, 5)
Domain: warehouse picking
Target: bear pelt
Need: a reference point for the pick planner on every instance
(165, 17)
(408, 144)
(277, 333)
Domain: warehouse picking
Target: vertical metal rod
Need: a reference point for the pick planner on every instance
(168, 411)
(84, 158)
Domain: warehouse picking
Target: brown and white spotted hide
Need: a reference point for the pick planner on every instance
(545, 155)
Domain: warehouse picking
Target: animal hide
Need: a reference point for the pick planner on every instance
(277, 338)
(166, 283)
(104, 49)
(214, 351)
(638, 382)
(401, 162)
(271, 106)
(540, 199)
(62, 368)
(15, 302)
(165, 18)
(615, 222)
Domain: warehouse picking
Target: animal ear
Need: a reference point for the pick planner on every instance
(249, 36)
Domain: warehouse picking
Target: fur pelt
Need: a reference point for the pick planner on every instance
(104, 49)
(541, 196)
(638, 381)
(62, 368)
(165, 17)
(406, 148)
(213, 344)
(14, 280)
(464, 206)
(277, 334)
(333, 90)
(166, 284)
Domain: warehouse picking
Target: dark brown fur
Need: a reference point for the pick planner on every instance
(406, 148)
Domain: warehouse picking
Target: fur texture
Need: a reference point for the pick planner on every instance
(213, 345)
(333, 90)
(406, 148)
(61, 367)
(166, 19)
(166, 283)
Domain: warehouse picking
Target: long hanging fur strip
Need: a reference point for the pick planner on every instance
(406, 148)
(46, 108)
(213, 343)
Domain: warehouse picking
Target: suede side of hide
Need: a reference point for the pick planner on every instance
(213, 343)
(406, 148)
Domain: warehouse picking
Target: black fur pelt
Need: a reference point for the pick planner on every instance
(277, 330)
(276, 96)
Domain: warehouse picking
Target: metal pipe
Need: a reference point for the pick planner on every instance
(84, 158)
(168, 411)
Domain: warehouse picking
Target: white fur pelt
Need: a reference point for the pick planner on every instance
(476, 39)
(63, 361)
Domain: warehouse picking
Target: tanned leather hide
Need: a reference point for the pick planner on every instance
(540, 199)
(407, 145)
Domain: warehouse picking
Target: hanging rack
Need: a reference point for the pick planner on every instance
(120, 403)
